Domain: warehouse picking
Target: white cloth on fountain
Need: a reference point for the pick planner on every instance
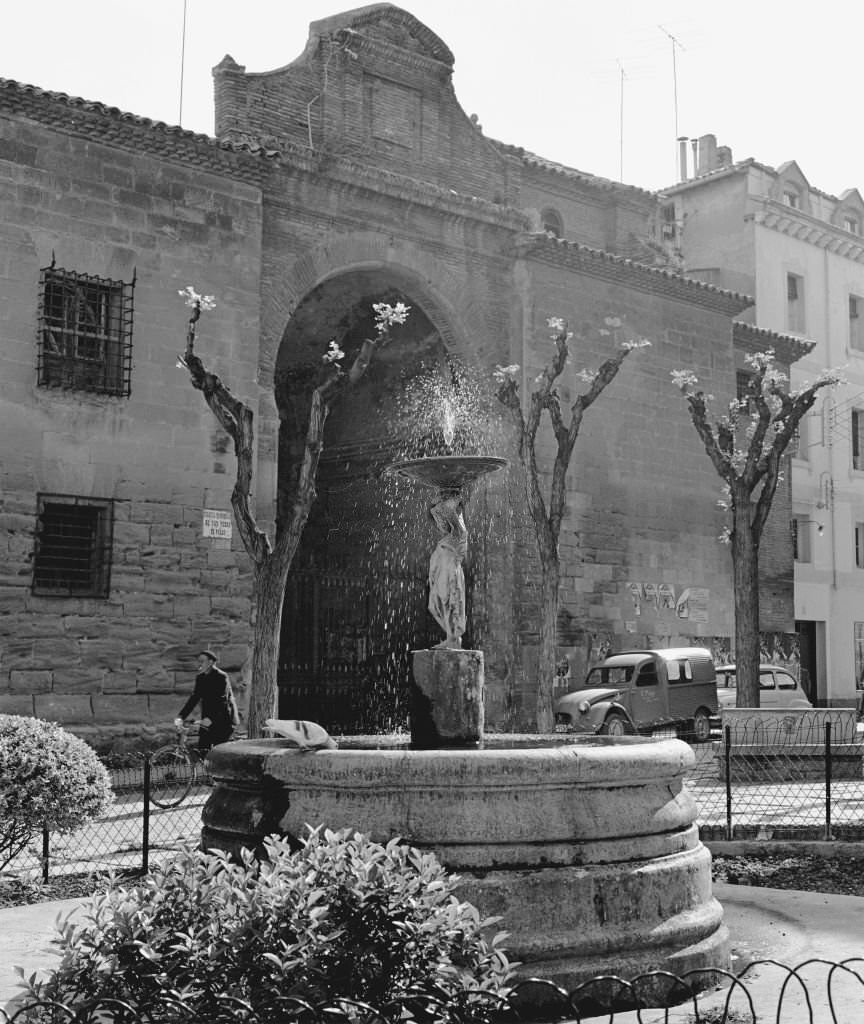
(306, 735)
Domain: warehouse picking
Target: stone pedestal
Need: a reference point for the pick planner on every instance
(446, 698)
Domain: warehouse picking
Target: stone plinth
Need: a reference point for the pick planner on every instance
(446, 698)
(586, 847)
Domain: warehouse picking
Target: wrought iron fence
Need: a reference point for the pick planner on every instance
(814, 990)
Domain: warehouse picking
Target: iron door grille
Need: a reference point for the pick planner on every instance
(85, 332)
(73, 546)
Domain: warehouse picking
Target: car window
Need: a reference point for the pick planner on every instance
(766, 679)
(647, 676)
(785, 681)
(617, 675)
(679, 671)
(726, 679)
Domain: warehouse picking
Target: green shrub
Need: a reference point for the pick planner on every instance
(48, 779)
(343, 917)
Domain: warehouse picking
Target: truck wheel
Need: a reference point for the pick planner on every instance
(701, 726)
(615, 725)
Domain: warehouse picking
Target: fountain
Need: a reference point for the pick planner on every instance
(586, 847)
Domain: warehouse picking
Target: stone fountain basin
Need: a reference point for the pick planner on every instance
(587, 847)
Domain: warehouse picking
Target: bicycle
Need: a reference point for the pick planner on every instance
(174, 769)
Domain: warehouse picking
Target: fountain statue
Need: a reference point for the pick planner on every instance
(447, 682)
(587, 847)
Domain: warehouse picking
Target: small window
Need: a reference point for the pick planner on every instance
(647, 676)
(795, 304)
(73, 546)
(791, 198)
(85, 332)
(858, 439)
(859, 545)
(801, 538)
(552, 223)
(742, 385)
(766, 679)
(852, 225)
(856, 323)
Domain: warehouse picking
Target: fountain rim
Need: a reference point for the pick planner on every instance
(482, 465)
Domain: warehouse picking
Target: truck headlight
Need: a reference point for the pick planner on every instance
(584, 707)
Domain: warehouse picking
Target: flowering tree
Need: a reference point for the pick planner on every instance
(746, 446)
(547, 519)
(272, 560)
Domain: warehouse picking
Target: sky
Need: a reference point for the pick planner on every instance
(603, 87)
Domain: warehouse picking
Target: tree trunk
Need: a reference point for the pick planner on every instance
(269, 590)
(549, 598)
(745, 574)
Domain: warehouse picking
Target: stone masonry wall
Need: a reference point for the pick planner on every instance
(642, 493)
(123, 664)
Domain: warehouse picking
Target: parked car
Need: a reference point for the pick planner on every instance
(778, 688)
(644, 692)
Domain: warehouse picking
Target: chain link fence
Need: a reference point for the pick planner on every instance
(769, 775)
(781, 775)
(125, 838)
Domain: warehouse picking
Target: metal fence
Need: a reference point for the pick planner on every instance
(815, 990)
(126, 836)
(755, 781)
(780, 777)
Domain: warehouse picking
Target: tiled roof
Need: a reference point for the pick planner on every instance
(789, 346)
(655, 279)
(114, 126)
(540, 162)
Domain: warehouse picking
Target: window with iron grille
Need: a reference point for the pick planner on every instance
(856, 323)
(795, 319)
(85, 332)
(73, 546)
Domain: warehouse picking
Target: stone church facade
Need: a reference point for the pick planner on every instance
(350, 176)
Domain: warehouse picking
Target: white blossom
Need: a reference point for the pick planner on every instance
(587, 376)
(192, 299)
(503, 374)
(555, 323)
(389, 316)
(684, 379)
(612, 321)
(333, 353)
(636, 343)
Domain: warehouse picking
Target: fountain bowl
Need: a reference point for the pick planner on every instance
(451, 474)
(586, 847)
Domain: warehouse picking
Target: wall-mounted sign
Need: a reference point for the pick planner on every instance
(217, 523)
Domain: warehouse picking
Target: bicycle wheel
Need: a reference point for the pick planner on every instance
(171, 775)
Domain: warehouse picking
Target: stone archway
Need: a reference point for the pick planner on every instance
(355, 602)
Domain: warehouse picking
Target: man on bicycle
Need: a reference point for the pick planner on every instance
(218, 707)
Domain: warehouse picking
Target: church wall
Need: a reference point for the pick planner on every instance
(115, 664)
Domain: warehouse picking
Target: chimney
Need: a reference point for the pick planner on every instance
(707, 154)
(724, 156)
(682, 158)
(693, 145)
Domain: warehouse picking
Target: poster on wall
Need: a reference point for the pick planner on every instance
(216, 524)
(657, 604)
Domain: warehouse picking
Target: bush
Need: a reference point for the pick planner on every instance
(342, 918)
(48, 779)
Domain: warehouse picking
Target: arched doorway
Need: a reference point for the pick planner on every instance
(355, 602)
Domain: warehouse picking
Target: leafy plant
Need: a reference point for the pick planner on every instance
(341, 918)
(48, 779)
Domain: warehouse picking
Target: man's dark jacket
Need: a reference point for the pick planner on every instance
(213, 690)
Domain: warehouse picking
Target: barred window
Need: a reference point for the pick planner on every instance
(85, 332)
(73, 546)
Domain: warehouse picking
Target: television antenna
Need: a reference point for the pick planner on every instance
(676, 45)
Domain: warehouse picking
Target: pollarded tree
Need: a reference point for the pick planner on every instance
(548, 517)
(746, 446)
(271, 561)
